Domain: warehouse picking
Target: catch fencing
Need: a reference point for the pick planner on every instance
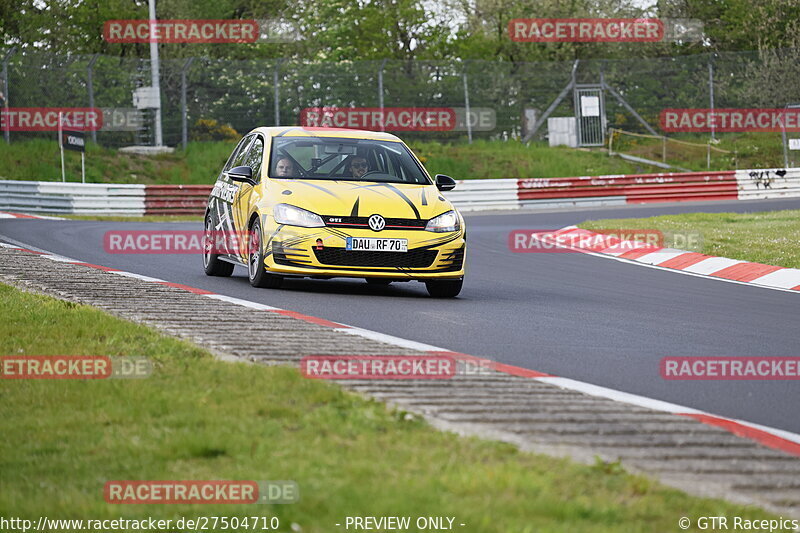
(41, 197)
(506, 100)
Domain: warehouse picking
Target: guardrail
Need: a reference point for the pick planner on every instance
(71, 198)
(176, 199)
(469, 195)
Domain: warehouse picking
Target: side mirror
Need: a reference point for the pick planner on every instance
(445, 183)
(242, 174)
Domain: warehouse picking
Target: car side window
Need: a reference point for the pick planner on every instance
(237, 159)
(229, 162)
(254, 157)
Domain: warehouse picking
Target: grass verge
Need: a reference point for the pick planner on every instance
(200, 418)
(771, 237)
(513, 159)
(747, 150)
(38, 159)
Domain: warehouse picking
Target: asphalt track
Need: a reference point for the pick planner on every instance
(573, 315)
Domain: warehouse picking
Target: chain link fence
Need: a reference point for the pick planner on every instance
(199, 94)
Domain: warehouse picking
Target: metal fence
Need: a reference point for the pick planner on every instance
(245, 94)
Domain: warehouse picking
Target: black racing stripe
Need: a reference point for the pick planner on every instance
(314, 185)
(354, 211)
(439, 243)
(446, 237)
(371, 186)
(269, 241)
(337, 233)
(424, 199)
(399, 193)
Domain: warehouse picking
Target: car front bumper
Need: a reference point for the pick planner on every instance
(320, 252)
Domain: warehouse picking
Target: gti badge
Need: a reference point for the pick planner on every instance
(376, 223)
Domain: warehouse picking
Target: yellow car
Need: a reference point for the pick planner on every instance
(325, 203)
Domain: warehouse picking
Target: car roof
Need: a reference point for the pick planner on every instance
(300, 131)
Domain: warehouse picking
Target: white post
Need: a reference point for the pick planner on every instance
(711, 95)
(380, 91)
(154, 75)
(61, 147)
(83, 170)
(466, 103)
(277, 91)
(5, 90)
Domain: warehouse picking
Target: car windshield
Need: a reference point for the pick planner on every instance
(344, 159)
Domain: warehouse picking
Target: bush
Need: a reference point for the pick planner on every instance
(208, 129)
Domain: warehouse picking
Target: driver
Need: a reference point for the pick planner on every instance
(358, 166)
(284, 168)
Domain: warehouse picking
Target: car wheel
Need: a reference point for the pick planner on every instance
(444, 288)
(212, 264)
(259, 277)
(378, 281)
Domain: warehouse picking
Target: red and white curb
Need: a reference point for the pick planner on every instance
(692, 263)
(5, 214)
(771, 437)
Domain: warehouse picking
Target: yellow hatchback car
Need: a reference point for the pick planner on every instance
(324, 203)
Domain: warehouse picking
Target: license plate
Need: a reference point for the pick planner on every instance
(370, 244)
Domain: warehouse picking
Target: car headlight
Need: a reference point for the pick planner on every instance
(445, 222)
(294, 216)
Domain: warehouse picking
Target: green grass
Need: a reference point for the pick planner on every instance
(200, 418)
(200, 162)
(39, 160)
(748, 150)
(771, 237)
(513, 159)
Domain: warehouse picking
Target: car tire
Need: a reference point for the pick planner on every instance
(444, 288)
(212, 264)
(378, 281)
(257, 272)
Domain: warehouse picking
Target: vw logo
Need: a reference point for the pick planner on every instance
(376, 223)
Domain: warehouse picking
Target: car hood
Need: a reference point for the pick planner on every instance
(359, 198)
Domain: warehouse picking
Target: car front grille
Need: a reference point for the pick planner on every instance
(363, 223)
(342, 257)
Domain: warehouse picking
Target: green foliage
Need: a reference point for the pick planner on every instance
(200, 418)
(206, 129)
(202, 161)
(39, 160)
(513, 159)
(772, 237)
(747, 24)
(346, 30)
